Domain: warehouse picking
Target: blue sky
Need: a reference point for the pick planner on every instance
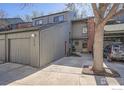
(14, 9)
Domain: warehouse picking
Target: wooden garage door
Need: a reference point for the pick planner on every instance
(19, 51)
(2, 50)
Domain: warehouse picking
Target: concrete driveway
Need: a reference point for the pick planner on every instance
(66, 71)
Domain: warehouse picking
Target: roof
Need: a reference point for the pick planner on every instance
(12, 20)
(82, 19)
(35, 28)
(51, 14)
(45, 26)
(114, 27)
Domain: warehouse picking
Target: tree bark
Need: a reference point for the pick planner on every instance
(98, 48)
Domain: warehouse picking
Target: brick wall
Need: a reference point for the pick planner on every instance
(24, 25)
(91, 30)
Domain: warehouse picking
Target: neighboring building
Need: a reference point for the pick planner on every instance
(114, 30)
(114, 33)
(7, 23)
(23, 25)
(82, 34)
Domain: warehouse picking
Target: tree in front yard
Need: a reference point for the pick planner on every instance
(102, 12)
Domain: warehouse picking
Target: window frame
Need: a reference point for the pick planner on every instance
(37, 22)
(86, 29)
(58, 18)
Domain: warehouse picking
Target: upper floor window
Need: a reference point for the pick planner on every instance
(59, 18)
(39, 22)
(84, 30)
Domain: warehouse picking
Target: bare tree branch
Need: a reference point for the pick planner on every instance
(96, 12)
(103, 9)
(24, 5)
(119, 13)
(3, 13)
(111, 13)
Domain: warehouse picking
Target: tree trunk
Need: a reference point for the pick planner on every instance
(98, 49)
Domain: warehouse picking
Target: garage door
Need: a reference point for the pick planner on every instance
(2, 50)
(19, 50)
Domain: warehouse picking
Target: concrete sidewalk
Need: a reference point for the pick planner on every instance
(66, 71)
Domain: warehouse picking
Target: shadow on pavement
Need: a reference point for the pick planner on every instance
(75, 61)
(10, 72)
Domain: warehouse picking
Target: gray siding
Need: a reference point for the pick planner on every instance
(77, 29)
(25, 47)
(20, 48)
(52, 43)
(2, 48)
(68, 16)
(35, 47)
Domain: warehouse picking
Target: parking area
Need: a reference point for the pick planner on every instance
(66, 71)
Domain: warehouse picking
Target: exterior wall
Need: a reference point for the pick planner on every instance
(84, 39)
(34, 45)
(22, 48)
(113, 33)
(77, 29)
(52, 43)
(50, 18)
(2, 48)
(91, 31)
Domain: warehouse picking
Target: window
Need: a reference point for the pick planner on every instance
(59, 18)
(84, 45)
(38, 22)
(76, 43)
(84, 30)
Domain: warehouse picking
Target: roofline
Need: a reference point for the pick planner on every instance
(21, 23)
(33, 28)
(51, 14)
(20, 30)
(82, 19)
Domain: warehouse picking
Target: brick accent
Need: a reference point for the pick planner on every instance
(23, 25)
(91, 31)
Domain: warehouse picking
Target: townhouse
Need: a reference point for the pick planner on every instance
(51, 37)
(46, 41)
